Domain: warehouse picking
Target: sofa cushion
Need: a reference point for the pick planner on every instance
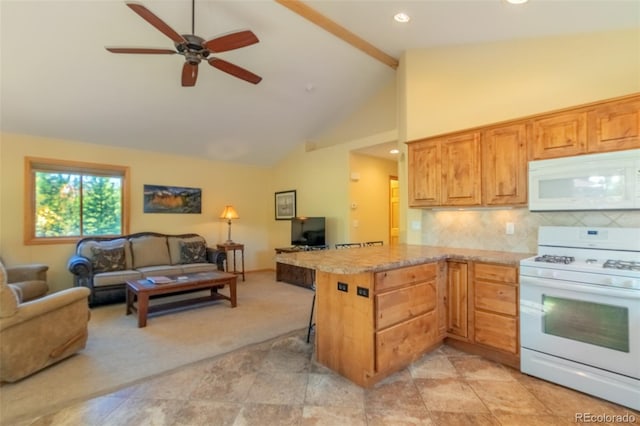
(193, 268)
(193, 252)
(149, 251)
(108, 259)
(86, 249)
(116, 277)
(175, 249)
(161, 270)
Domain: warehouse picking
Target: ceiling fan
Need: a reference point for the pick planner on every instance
(195, 49)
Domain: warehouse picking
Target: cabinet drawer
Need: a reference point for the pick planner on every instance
(398, 305)
(497, 331)
(404, 276)
(500, 298)
(502, 273)
(398, 346)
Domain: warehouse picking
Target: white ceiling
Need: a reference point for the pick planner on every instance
(58, 81)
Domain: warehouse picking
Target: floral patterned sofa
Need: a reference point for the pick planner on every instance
(104, 265)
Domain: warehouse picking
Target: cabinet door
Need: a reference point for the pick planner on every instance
(497, 331)
(614, 126)
(398, 346)
(461, 170)
(424, 174)
(504, 165)
(559, 135)
(399, 305)
(457, 299)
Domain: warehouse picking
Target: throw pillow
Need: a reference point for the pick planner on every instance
(193, 252)
(108, 259)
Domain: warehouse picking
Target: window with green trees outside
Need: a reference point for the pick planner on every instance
(71, 200)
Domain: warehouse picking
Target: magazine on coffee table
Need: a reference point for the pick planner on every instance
(160, 280)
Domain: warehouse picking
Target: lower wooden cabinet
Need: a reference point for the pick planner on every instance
(496, 306)
(488, 324)
(370, 325)
(457, 283)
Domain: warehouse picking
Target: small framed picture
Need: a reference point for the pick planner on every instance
(285, 205)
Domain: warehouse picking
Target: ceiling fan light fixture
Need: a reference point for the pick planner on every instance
(401, 17)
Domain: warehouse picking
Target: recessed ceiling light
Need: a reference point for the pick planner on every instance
(394, 151)
(401, 17)
(517, 1)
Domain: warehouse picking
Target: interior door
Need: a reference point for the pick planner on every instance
(394, 210)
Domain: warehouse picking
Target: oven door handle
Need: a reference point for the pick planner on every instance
(526, 281)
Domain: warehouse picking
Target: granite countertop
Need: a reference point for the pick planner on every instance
(373, 259)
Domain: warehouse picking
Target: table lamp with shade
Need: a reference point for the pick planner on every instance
(229, 213)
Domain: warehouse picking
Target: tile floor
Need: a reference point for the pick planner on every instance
(277, 383)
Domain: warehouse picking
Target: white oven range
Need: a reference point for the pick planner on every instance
(580, 311)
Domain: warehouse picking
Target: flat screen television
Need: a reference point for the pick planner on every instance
(308, 231)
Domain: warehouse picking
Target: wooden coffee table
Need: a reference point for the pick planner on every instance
(138, 292)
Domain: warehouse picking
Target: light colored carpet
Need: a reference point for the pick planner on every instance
(118, 353)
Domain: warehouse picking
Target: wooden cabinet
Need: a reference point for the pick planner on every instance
(445, 171)
(369, 325)
(559, 135)
(461, 179)
(614, 126)
(504, 165)
(425, 181)
(495, 289)
(457, 299)
(488, 165)
(600, 127)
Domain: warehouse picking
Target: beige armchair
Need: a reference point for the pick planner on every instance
(41, 332)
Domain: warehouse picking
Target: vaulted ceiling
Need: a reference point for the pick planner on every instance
(58, 81)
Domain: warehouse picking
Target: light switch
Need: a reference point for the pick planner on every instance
(510, 228)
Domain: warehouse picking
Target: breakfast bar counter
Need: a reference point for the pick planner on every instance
(379, 308)
(380, 258)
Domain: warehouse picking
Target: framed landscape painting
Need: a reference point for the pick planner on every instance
(285, 205)
(172, 199)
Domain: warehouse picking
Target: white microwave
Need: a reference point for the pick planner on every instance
(606, 181)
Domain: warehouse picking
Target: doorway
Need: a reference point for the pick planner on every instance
(394, 211)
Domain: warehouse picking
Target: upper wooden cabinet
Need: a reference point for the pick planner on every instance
(487, 166)
(461, 170)
(504, 165)
(614, 126)
(445, 171)
(601, 127)
(559, 135)
(425, 174)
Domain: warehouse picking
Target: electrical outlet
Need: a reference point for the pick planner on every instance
(362, 291)
(343, 287)
(510, 228)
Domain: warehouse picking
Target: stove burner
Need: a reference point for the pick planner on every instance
(622, 264)
(548, 258)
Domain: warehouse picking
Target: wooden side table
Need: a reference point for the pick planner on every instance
(234, 248)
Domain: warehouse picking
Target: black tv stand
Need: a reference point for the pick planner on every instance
(297, 275)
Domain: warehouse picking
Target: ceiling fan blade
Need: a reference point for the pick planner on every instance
(189, 74)
(140, 50)
(162, 26)
(234, 70)
(231, 41)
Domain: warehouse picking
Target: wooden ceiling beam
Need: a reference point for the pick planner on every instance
(339, 31)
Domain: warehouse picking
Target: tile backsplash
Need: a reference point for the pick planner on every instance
(485, 229)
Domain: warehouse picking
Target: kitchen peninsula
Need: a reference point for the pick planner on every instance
(380, 308)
